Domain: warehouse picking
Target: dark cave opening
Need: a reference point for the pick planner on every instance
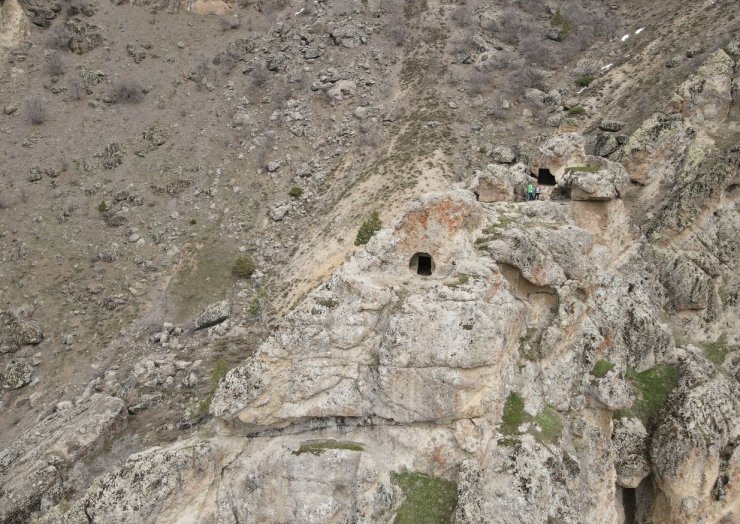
(545, 178)
(422, 264)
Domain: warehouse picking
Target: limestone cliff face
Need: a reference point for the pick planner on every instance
(572, 359)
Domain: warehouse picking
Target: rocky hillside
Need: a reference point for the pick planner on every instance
(192, 329)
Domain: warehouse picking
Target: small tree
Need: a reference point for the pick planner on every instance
(243, 266)
(368, 228)
(296, 191)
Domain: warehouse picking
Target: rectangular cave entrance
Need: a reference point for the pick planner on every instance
(425, 265)
(422, 264)
(545, 178)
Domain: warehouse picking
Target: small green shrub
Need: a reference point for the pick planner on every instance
(295, 192)
(427, 500)
(193, 221)
(368, 228)
(576, 110)
(558, 20)
(219, 372)
(601, 368)
(243, 266)
(585, 80)
(258, 306)
(102, 207)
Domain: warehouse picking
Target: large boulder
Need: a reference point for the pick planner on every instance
(17, 373)
(213, 314)
(598, 179)
(501, 183)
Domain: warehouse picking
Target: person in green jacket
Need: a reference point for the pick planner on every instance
(530, 192)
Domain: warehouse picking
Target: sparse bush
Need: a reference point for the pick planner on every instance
(126, 91)
(561, 23)
(510, 28)
(538, 51)
(576, 110)
(60, 38)
(296, 192)
(220, 370)
(56, 64)
(584, 80)
(102, 207)
(36, 111)
(243, 266)
(368, 228)
(229, 23)
(259, 306)
(527, 77)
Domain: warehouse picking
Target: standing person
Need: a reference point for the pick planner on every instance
(530, 192)
(537, 193)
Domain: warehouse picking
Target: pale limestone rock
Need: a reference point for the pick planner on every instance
(33, 470)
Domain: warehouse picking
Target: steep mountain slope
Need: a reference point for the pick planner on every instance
(573, 359)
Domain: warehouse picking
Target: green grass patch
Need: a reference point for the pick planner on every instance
(601, 368)
(319, 446)
(652, 387)
(295, 192)
(427, 500)
(582, 169)
(717, 351)
(548, 420)
(550, 425)
(368, 228)
(514, 414)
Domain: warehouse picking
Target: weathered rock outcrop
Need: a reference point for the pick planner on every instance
(32, 471)
(14, 24)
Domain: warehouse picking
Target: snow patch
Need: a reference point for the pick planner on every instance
(299, 12)
(639, 31)
(625, 37)
(607, 66)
